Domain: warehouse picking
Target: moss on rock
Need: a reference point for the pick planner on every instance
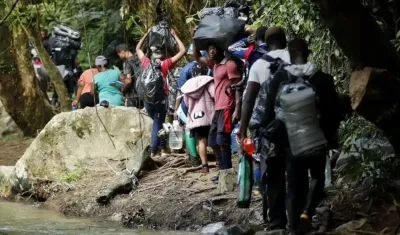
(81, 126)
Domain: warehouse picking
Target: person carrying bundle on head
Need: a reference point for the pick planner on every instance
(153, 88)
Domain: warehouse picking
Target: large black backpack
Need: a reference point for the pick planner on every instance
(161, 40)
(260, 118)
(151, 84)
(297, 107)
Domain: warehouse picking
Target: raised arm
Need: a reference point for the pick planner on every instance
(181, 48)
(139, 51)
(197, 55)
(249, 99)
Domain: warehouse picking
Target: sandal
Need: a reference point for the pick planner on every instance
(164, 154)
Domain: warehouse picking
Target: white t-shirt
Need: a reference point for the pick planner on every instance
(259, 71)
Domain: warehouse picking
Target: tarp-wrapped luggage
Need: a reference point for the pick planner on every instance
(160, 40)
(219, 30)
(220, 11)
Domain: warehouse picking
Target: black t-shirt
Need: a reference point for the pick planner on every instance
(132, 66)
(129, 66)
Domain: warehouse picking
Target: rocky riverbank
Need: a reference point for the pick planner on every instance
(72, 166)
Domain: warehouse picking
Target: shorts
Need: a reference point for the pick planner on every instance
(200, 132)
(87, 100)
(221, 128)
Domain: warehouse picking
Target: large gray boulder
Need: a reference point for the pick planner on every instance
(7, 177)
(7, 124)
(75, 145)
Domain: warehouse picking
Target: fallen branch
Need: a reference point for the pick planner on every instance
(169, 164)
(363, 232)
(201, 190)
(179, 163)
(184, 155)
(192, 169)
(148, 188)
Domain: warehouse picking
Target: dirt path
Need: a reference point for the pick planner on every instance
(166, 198)
(12, 150)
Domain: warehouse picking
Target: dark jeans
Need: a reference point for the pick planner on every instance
(87, 100)
(303, 196)
(276, 191)
(157, 112)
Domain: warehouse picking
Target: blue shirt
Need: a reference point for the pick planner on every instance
(106, 91)
(239, 48)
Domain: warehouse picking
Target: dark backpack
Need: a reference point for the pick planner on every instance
(173, 89)
(135, 63)
(296, 105)
(160, 38)
(259, 117)
(151, 84)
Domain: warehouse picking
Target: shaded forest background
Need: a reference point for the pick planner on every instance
(332, 29)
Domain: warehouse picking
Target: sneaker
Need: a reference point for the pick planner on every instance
(204, 170)
(305, 223)
(215, 178)
(256, 190)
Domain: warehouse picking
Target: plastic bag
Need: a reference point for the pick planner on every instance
(245, 182)
(173, 90)
(259, 109)
(219, 11)
(160, 40)
(151, 84)
(219, 30)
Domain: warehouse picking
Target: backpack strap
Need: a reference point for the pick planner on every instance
(248, 52)
(274, 63)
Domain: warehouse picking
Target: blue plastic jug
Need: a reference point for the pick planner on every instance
(234, 142)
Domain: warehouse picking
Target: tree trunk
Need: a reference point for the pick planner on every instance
(54, 74)
(374, 93)
(19, 90)
(358, 35)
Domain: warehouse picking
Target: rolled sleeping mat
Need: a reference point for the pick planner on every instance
(72, 33)
(69, 34)
(58, 31)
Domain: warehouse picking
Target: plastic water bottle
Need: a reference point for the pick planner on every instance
(234, 142)
(176, 136)
(328, 171)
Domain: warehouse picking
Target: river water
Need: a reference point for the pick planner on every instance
(23, 219)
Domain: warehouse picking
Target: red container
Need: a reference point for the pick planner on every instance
(248, 146)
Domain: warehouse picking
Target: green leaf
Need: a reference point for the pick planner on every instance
(129, 23)
(189, 20)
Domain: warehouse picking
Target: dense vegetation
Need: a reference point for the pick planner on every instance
(106, 23)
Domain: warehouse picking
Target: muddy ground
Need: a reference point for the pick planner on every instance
(165, 198)
(171, 198)
(11, 149)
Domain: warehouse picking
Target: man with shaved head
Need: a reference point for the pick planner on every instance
(304, 195)
(260, 72)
